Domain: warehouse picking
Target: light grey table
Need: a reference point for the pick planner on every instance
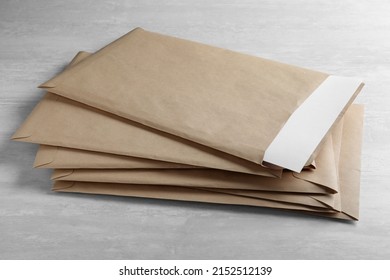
(38, 38)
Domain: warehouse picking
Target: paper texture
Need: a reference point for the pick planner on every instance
(350, 150)
(178, 86)
(58, 121)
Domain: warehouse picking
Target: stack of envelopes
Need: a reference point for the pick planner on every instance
(155, 116)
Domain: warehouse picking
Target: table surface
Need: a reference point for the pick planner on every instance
(38, 38)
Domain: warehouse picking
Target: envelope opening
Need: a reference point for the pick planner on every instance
(310, 122)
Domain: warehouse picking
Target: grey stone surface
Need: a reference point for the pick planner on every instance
(38, 38)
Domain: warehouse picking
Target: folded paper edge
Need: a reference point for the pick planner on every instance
(323, 212)
(61, 185)
(58, 174)
(355, 213)
(226, 191)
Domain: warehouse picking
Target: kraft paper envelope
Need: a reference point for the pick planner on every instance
(62, 122)
(182, 194)
(207, 183)
(60, 157)
(349, 178)
(256, 109)
(58, 121)
(114, 135)
(57, 113)
(223, 179)
(173, 193)
(330, 201)
(320, 201)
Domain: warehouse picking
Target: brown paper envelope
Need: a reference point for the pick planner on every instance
(323, 201)
(205, 178)
(229, 101)
(212, 178)
(331, 201)
(60, 157)
(62, 122)
(174, 193)
(187, 194)
(349, 178)
(325, 175)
